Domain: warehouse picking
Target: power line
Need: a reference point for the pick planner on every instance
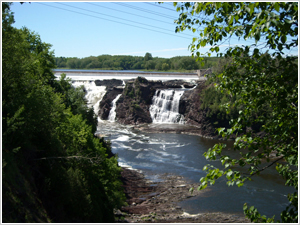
(110, 20)
(117, 21)
(135, 15)
(169, 3)
(127, 12)
(149, 11)
(160, 6)
(144, 10)
(117, 18)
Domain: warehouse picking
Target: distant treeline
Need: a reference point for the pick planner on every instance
(120, 62)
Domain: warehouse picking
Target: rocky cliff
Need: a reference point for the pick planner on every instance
(190, 107)
(133, 105)
(109, 83)
(136, 99)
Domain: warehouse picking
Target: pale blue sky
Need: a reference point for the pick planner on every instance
(82, 29)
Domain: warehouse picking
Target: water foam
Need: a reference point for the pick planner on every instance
(122, 138)
(94, 93)
(165, 107)
(112, 112)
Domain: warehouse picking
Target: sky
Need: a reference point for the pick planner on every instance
(82, 29)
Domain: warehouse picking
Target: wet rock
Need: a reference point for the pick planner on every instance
(189, 85)
(133, 107)
(106, 103)
(109, 83)
(164, 209)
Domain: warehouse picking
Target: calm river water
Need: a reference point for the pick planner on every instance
(183, 155)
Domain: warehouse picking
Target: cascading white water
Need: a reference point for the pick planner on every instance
(94, 93)
(112, 112)
(165, 107)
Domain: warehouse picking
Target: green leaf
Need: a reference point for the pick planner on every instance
(239, 183)
(251, 6)
(256, 51)
(229, 174)
(236, 18)
(283, 39)
(191, 190)
(203, 43)
(227, 165)
(205, 31)
(276, 6)
(245, 207)
(230, 20)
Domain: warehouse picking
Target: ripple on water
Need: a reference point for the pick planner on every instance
(122, 138)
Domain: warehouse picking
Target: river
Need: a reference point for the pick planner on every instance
(180, 154)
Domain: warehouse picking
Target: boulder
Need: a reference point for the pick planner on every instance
(133, 105)
(109, 83)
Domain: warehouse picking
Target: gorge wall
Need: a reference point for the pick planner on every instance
(136, 98)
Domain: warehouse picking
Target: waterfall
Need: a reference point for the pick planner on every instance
(94, 93)
(112, 112)
(165, 107)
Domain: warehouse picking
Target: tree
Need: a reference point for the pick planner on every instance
(165, 66)
(158, 66)
(147, 57)
(53, 167)
(261, 76)
(150, 65)
(73, 63)
(188, 63)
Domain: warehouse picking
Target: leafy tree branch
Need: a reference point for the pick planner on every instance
(263, 81)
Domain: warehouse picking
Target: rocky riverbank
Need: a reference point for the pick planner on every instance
(156, 202)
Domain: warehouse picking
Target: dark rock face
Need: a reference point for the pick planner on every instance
(133, 105)
(188, 85)
(189, 106)
(173, 84)
(178, 84)
(106, 103)
(109, 83)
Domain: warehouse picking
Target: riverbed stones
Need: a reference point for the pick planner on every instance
(163, 208)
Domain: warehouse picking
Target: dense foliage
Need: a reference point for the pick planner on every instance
(108, 62)
(53, 168)
(264, 82)
(211, 102)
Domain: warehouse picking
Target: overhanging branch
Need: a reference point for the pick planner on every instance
(281, 157)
